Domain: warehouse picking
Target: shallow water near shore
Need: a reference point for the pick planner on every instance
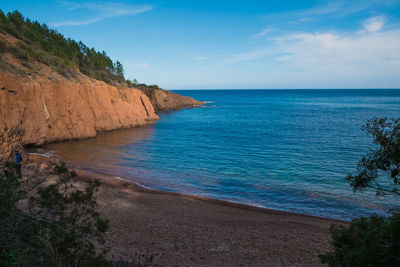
(280, 149)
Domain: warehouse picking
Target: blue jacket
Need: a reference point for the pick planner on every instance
(18, 158)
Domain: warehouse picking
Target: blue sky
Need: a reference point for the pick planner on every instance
(186, 44)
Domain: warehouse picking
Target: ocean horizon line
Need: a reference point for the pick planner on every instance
(279, 89)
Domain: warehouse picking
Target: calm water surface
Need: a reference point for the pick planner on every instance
(281, 149)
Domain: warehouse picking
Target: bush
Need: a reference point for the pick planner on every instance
(380, 168)
(2, 47)
(58, 226)
(20, 50)
(373, 241)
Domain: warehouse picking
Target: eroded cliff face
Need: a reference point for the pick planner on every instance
(38, 110)
(167, 100)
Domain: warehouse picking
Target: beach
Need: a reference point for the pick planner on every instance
(184, 230)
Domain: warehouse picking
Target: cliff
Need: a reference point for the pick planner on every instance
(53, 89)
(167, 100)
(37, 110)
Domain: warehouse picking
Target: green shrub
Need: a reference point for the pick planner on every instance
(20, 51)
(59, 227)
(2, 47)
(373, 241)
(132, 84)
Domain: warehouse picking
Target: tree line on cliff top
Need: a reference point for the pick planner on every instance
(37, 41)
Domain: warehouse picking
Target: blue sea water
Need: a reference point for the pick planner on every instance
(280, 149)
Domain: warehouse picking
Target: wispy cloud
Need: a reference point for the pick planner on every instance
(142, 65)
(334, 9)
(248, 56)
(374, 24)
(344, 8)
(263, 32)
(369, 54)
(104, 11)
(370, 45)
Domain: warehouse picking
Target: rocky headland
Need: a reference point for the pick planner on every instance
(42, 102)
(163, 100)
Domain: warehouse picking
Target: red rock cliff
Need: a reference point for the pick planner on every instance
(167, 100)
(38, 110)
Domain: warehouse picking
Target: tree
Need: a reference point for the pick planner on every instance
(373, 241)
(58, 226)
(379, 169)
(131, 83)
(3, 19)
(16, 18)
(51, 48)
(119, 69)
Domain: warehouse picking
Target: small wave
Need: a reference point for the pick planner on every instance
(122, 179)
(47, 154)
(208, 102)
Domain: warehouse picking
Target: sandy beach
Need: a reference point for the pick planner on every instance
(183, 230)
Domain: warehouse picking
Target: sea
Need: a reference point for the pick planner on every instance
(287, 150)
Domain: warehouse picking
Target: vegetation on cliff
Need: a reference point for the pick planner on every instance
(66, 56)
(37, 41)
(33, 43)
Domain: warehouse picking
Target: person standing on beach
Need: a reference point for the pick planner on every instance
(18, 161)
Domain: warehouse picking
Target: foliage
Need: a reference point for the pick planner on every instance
(2, 47)
(131, 84)
(119, 69)
(63, 55)
(142, 86)
(382, 162)
(373, 241)
(58, 226)
(59, 52)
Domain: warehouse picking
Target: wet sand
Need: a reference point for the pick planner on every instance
(182, 230)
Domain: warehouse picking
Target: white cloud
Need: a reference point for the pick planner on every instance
(202, 58)
(333, 50)
(263, 32)
(103, 10)
(333, 10)
(143, 65)
(366, 58)
(248, 56)
(374, 24)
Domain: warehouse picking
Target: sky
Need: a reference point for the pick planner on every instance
(221, 44)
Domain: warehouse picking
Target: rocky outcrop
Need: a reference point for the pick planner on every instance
(38, 110)
(167, 100)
